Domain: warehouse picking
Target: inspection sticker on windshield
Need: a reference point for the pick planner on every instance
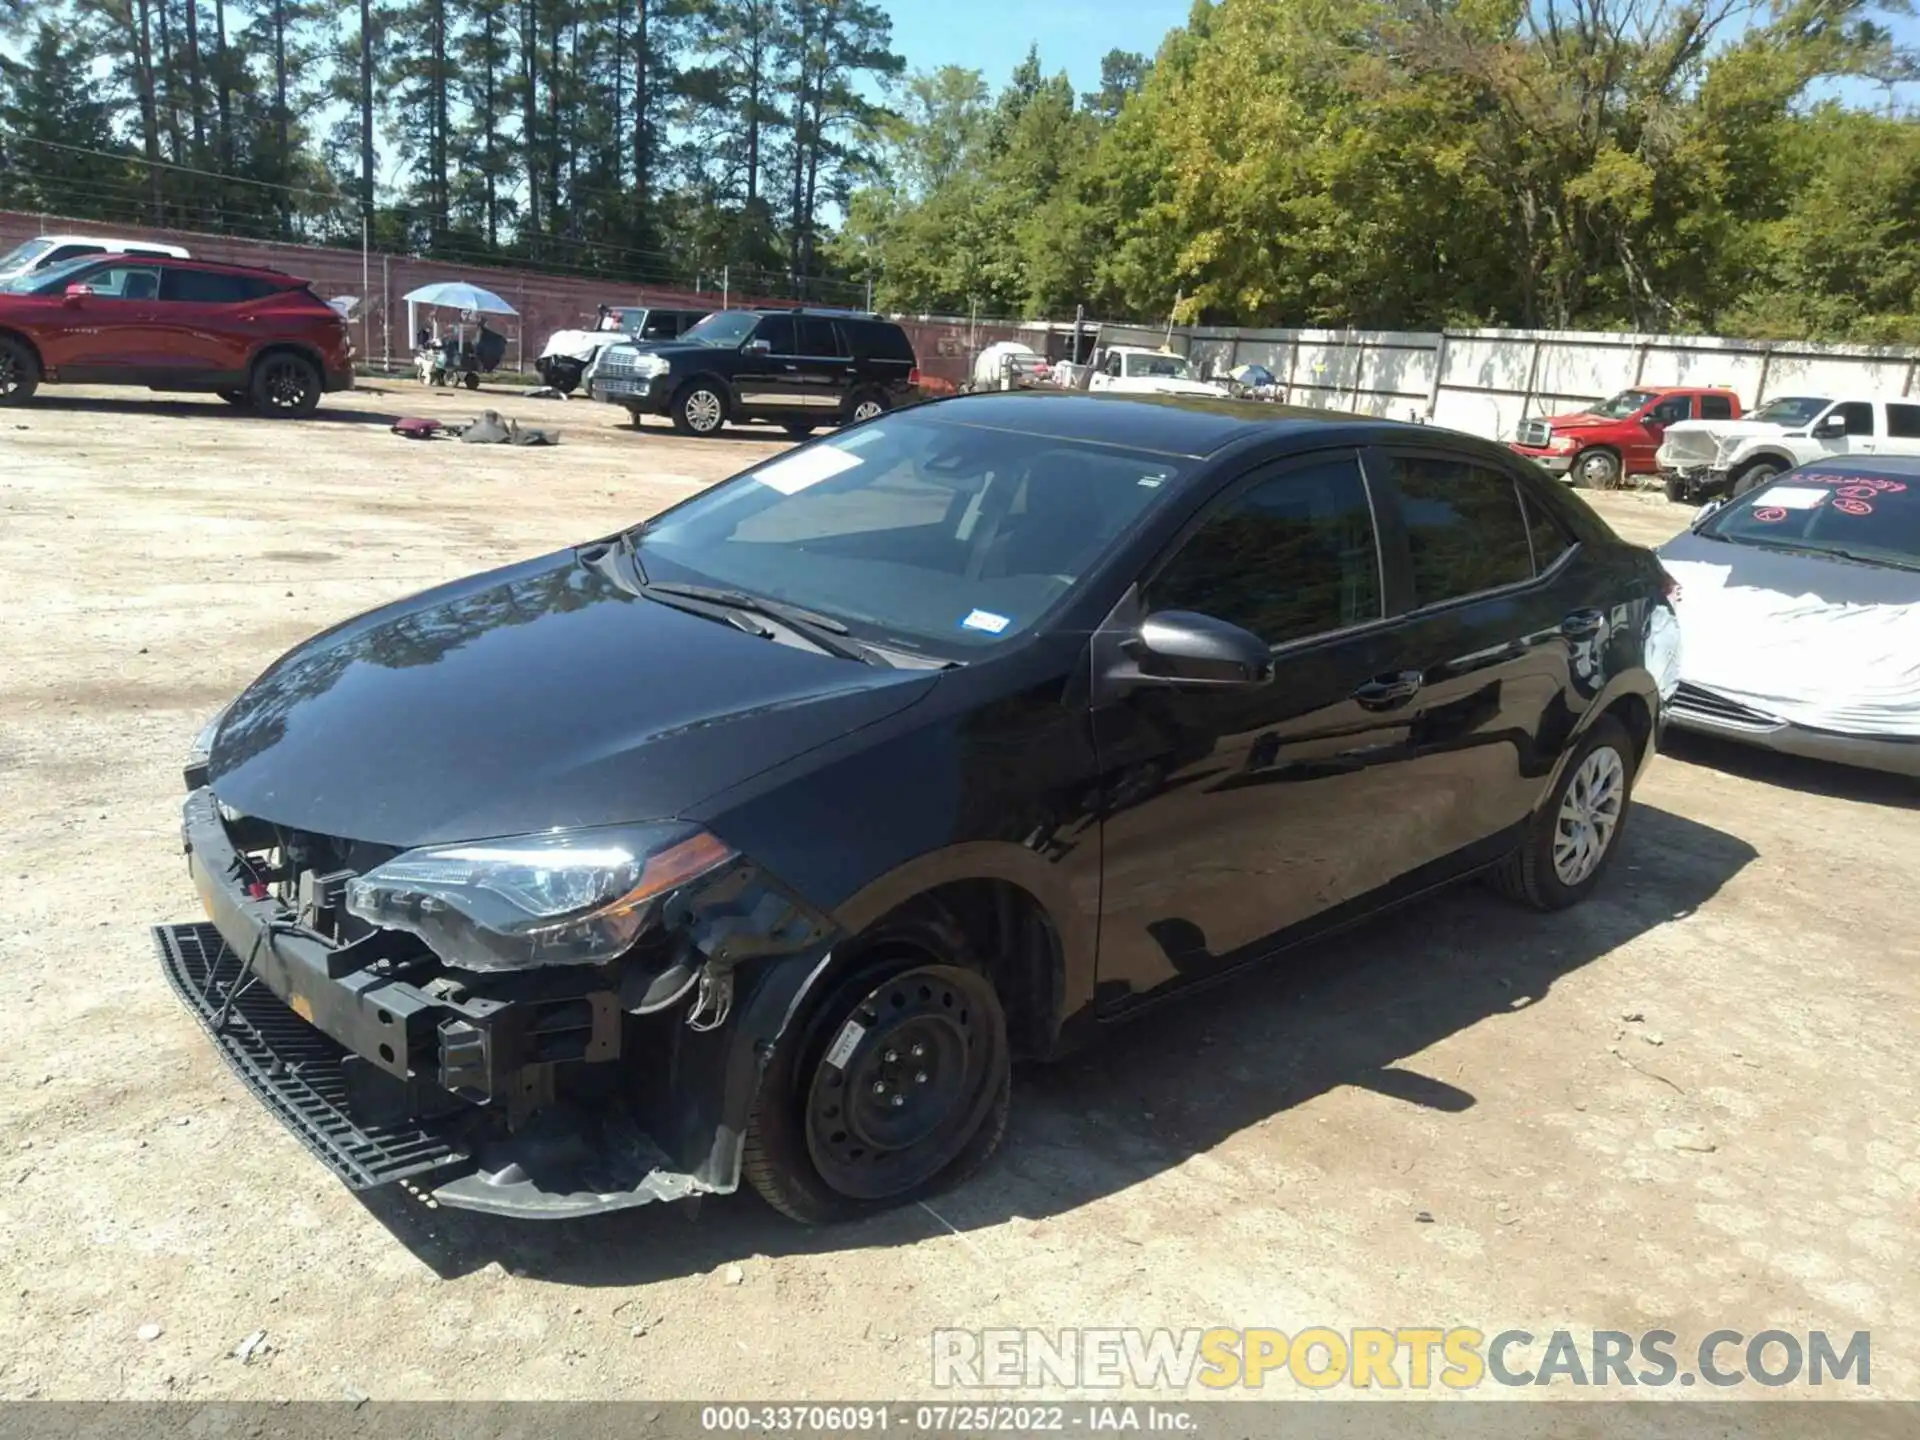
(844, 1043)
(985, 620)
(795, 473)
(1793, 497)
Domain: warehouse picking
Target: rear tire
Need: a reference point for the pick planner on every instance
(285, 386)
(922, 1096)
(471, 380)
(865, 405)
(1552, 868)
(19, 372)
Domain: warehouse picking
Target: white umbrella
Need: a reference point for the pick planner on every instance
(459, 295)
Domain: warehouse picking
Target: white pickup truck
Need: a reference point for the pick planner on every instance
(1136, 370)
(1699, 459)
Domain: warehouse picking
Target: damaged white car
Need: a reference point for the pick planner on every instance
(1700, 459)
(569, 355)
(1799, 609)
(1135, 370)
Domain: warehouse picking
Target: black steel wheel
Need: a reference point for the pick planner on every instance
(19, 372)
(896, 1083)
(285, 385)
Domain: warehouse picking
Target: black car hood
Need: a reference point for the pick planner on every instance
(539, 696)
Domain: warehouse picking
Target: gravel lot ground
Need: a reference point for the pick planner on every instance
(1689, 1104)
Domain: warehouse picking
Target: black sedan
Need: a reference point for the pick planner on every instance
(763, 838)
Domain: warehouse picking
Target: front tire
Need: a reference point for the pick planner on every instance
(19, 372)
(1597, 469)
(285, 386)
(919, 1097)
(699, 409)
(1676, 490)
(1575, 834)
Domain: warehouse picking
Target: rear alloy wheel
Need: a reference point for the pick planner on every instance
(285, 386)
(867, 405)
(896, 1084)
(1597, 469)
(1753, 477)
(238, 398)
(1576, 832)
(699, 410)
(19, 373)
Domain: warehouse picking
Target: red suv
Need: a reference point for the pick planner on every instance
(1597, 446)
(253, 337)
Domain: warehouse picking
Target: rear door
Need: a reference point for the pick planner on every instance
(1499, 651)
(209, 323)
(825, 364)
(1903, 429)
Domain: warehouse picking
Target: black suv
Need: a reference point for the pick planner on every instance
(799, 368)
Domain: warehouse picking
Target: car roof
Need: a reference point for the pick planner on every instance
(161, 245)
(1686, 389)
(215, 266)
(1193, 426)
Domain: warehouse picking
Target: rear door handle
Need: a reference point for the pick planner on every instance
(1582, 623)
(1388, 692)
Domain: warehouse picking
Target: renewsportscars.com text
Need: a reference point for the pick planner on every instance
(1403, 1357)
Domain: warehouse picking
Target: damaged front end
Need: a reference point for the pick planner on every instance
(547, 1027)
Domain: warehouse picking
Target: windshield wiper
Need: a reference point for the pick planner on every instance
(1833, 552)
(821, 631)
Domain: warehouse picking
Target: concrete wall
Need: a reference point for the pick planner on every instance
(1488, 381)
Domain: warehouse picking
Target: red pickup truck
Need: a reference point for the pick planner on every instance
(1598, 445)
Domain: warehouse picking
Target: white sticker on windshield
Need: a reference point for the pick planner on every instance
(865, 435)
(1791, 497)
(794, 473)
(985, 620)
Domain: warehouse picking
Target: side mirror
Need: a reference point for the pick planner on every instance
(757, 347)
(1832, 427)
(74, 294)
(1181, 647)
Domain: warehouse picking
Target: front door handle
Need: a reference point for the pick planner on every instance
(1582, 624)
(1389, 692)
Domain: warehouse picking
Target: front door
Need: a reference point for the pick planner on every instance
(769, 377)
(1653, 429)
(1230, 817)
(109, 336)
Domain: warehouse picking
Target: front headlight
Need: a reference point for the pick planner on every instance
(1560, 444)
(647, 366)
(202, 748)
(579, 897)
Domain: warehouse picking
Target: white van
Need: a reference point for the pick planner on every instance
(45, 251)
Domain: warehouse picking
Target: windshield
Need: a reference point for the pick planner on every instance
(23, 254)
(1627, 402)
(1789, 410)
(728, 330)
(916, 532)
(50, 281)
(1170, 367)
(1856, 512)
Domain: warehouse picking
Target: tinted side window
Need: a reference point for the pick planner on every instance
(1904, 421)
(1859, 416)
(777, 331)
(1548, 541)
(817, 338)
(1465, 527)
(204, 287)
(1669, 412)
(1292, 557)
(1716, 407)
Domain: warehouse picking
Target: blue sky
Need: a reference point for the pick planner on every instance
(993, 35)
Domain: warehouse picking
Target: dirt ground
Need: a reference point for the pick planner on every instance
(1689, 1104)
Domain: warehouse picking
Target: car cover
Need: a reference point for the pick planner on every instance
(1829, 644)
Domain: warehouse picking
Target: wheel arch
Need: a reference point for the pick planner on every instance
(708, 377)
(20, 337)
(1016, 912)
(1765, 455)
(287, 347)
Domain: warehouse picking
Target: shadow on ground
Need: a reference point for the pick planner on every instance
(335, 411)
(1793, 772)
(1346, 1011)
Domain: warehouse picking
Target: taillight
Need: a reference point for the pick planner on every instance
(913, 377)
